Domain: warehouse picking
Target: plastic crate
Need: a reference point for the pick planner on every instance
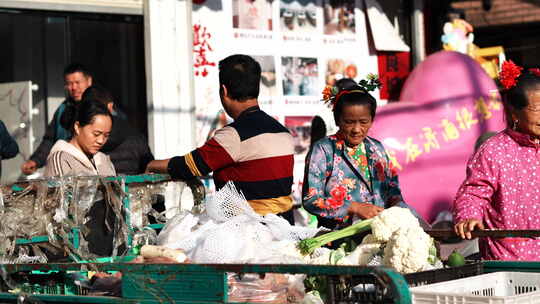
(50, 283)
(197, 283)
(493, 288)
(362, 290)
(444, 274)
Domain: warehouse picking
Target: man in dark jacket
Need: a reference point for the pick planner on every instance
(76, 80)
(8, 146)
(128, 149)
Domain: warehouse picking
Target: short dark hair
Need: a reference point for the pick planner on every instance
(98, 93)
(516, 97)
(84, 112)
(241, 75)
(356, 96)
(77, 67)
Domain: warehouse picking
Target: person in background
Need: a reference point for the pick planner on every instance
(76, 80)
(482, 139)
(127, 148)
(8, 145)
(318, 130)
(255, 151)
(349, 174)
(501, 188)
(90, 122)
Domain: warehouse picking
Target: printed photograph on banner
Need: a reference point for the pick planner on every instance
(300, 76)
(268, 76)
(298, 16)
(339, 17)
(340, 68)
(300, 128)
(252, 14)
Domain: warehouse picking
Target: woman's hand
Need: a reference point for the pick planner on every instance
(464, 228)
(364, 210)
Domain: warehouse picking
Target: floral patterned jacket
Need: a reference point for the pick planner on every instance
(331, 182)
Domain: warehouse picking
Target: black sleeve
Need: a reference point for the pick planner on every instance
(44, 148)
(8, 145)
(178, 168)
(146, 154)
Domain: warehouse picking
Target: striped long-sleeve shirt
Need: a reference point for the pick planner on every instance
(255, 152)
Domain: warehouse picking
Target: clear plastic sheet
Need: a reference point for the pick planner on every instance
(59, 208)
(269, 288)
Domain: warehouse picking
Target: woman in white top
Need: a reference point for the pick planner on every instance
(91, 124)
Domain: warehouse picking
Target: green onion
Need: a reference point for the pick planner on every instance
(307, 246)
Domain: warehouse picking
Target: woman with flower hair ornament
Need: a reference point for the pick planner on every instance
(501, 190)
(349, 175)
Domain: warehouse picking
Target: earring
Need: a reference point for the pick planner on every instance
(514, 127)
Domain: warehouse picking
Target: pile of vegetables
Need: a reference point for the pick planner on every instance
(396, 241)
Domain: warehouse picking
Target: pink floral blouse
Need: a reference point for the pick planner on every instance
(502, 189)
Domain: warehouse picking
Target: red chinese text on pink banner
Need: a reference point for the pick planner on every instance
(447, 102)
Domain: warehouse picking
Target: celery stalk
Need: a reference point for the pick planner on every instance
(307, 246)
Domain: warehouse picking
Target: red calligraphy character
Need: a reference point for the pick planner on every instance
(201, 47)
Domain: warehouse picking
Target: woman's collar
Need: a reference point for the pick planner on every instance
(522, 138)
(341, 139)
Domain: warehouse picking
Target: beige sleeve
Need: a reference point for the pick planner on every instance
(58, 164)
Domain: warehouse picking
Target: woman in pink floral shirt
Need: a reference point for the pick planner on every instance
(502, 188)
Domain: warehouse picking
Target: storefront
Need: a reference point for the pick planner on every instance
(39, 40)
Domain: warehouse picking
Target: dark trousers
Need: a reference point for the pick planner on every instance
(100, 237)
(288, 215)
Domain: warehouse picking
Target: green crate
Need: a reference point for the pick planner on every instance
(195, 283)
(495, 266)
(48, 282)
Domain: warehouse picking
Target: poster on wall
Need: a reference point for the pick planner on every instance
(339, 17)
(300, 128)
(301, 45)
(298, 17)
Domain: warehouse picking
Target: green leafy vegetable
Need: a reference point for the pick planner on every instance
(307, 246)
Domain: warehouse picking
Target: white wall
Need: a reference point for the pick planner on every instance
(169, 76)
(128, 7)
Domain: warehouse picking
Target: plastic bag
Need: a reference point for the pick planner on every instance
(312, 297)
(268, 288)
(177, 228)
(235, 241)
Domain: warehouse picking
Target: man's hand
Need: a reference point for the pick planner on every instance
(364, 210)
(157, 166)
(29, 167)
(464, 228)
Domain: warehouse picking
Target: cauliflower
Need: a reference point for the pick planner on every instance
(321, 256)
(408, 250)
(370, 239)
(392, 220)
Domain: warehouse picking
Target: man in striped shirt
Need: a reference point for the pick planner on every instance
(255, 151)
